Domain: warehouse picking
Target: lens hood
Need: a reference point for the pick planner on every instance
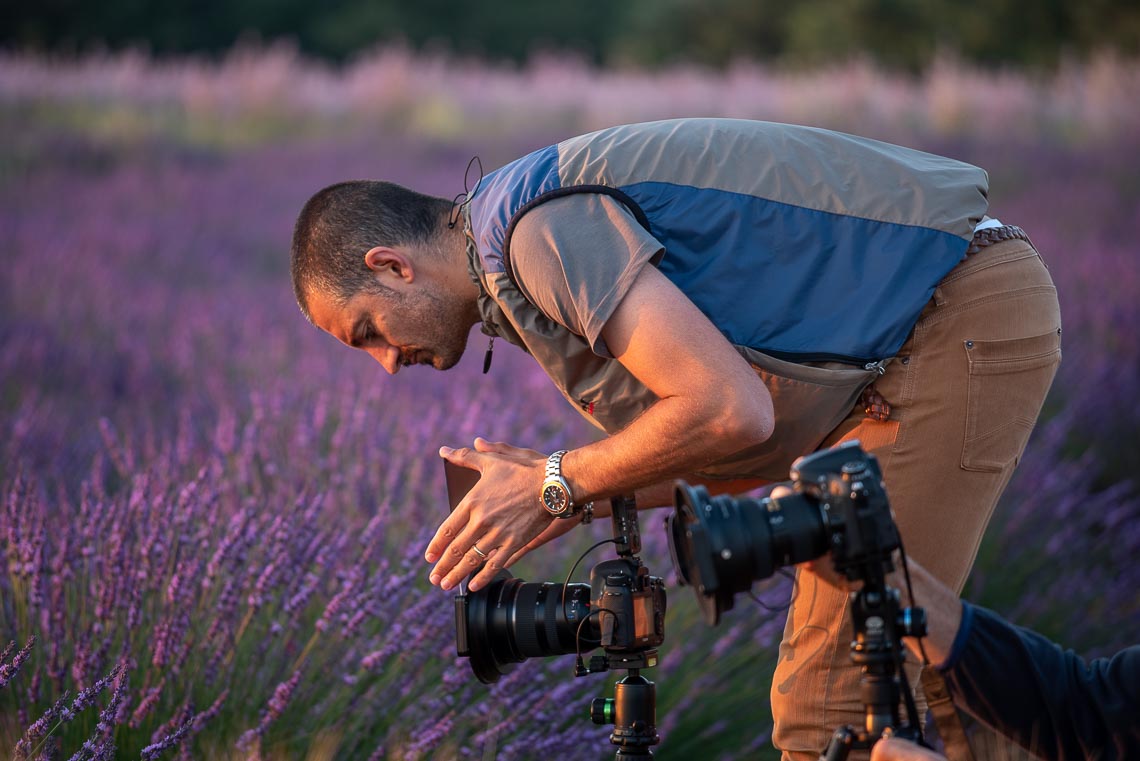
(510, 620)
(473, 612)
(690, 546)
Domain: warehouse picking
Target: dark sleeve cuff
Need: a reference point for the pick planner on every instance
(960, 639)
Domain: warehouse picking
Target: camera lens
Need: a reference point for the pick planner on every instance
(721, 545)
(510, 620)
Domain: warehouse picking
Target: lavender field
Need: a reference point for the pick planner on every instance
(214, 516)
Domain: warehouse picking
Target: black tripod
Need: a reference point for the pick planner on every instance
(633, 712)
(880, 624)
(633, 708)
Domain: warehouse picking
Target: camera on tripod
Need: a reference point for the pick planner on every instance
(621, 610)
(721, 545)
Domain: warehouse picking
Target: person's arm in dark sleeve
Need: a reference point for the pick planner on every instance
(1016, 681)
(1046, 699)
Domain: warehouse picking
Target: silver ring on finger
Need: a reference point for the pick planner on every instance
(478, 551)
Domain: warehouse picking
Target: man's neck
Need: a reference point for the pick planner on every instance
(453, 271)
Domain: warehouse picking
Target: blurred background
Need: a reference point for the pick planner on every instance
(213, 516)
(641, 33)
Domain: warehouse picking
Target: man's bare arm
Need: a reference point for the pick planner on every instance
(710, 404)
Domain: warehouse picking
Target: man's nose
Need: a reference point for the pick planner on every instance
(388, 357)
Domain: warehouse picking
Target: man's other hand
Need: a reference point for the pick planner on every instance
(501, 515)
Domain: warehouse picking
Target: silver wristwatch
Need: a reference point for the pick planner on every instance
(555, 496)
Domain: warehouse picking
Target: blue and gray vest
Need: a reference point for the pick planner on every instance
(813, 251)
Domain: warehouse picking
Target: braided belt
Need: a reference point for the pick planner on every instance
(992, 235)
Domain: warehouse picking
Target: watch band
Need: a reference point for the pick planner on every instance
(554, 464)
(553, 477)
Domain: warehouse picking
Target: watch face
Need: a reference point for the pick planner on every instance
(555, 498)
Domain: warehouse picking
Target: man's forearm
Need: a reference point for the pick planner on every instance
(661, 494)
(710, 401)
(671, 439)
(710, 404)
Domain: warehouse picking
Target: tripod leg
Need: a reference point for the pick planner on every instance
(841, 744)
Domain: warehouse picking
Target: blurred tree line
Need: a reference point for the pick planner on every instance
(902, 34)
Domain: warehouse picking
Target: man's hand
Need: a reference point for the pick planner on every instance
(501, 514)
(895, 749)
(556, 529)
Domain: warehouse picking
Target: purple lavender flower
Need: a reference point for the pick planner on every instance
(146, 704)
(215, 708)
(280, 700)
(87, 696)
(8, 670)
(154, 750)
(41, 726)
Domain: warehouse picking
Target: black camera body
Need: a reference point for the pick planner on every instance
(721, 545)
(631, 605)
(621, 610)
(847, 486)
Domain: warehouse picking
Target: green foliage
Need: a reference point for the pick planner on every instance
(899, 33)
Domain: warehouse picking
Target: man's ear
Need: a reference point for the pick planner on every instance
(390, 262)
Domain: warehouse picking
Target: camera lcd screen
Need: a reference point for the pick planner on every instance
(459, 481)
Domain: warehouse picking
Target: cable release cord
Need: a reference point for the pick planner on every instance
(612, 540)
(777, 608)
(908, 695)
(581, 665)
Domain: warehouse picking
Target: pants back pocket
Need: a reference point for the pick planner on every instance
(1008, 382)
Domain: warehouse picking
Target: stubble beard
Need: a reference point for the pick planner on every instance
(445, 323)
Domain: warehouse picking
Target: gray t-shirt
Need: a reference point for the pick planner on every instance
(576, 257)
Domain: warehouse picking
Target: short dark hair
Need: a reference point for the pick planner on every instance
(343, 221)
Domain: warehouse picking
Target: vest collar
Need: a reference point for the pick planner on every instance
(493, 322)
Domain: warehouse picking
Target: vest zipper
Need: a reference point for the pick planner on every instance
(865, 362)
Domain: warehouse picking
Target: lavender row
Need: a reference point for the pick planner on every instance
(253, 93)
(272, 603)
(213, 516)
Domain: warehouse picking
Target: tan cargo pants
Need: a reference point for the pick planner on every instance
(965, 392)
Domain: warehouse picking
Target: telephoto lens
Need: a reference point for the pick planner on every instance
(721, 545)
(510, 620)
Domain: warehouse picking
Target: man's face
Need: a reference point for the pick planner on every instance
(413, 326)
